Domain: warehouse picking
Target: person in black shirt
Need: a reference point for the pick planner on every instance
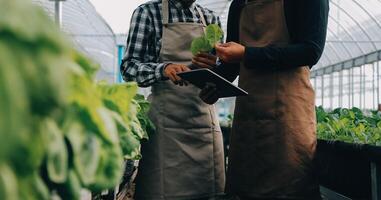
(272, 45)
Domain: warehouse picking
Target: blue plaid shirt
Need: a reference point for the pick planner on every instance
(141, 62)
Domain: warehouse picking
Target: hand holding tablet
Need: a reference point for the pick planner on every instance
(201, 77)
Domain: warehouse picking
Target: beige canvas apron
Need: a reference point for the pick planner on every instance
(184, 158)
(274, 137)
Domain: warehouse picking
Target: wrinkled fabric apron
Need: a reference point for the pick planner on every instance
(274, 131)
(184, 158)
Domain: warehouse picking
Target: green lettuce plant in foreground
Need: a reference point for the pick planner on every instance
(60, 130)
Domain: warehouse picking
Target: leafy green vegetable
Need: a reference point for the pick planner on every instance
(60, 130)
(349, 125)
(32, 187)
(109, 170)
(13, 106)
(213, 35)
(8, 183)
(145, 122)
(200, 44)
(131, 118)
(57, 155)
(86, 153)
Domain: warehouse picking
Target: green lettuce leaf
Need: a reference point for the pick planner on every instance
(214, 34)
(200, 44)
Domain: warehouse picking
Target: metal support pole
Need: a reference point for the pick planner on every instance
(316, 89)
(330, 92)
(364, 86)
(378, 83)
(58, 11)
(341, 89)
(120, 57)
(352, 88)
(361, 88)
(376, 181)
(332, 89)
(322, 91)
(373, 86)
(338, 18)
(348, 76)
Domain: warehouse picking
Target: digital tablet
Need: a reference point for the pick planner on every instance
(200, 77)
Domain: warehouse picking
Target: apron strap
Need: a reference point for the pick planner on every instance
(165, 9)
(203, 21)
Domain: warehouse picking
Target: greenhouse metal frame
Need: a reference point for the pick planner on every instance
(90, 33)
(348, 74)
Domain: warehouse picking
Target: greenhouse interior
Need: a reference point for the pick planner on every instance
(73, 126)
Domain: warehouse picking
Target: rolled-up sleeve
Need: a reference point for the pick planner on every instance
(140, 61)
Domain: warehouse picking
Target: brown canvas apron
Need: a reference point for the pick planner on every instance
(274, 137)
(184, 158)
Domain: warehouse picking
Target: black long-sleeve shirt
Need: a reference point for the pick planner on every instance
(307, 25)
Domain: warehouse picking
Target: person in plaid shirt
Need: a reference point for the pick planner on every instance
(184, 158)
(141, 62)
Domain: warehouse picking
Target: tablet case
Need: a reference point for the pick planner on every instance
(199, 78)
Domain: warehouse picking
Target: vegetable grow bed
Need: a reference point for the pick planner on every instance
(345, 170)
(349, 171)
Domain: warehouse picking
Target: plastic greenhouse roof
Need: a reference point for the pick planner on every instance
(90, 33)
(354, 29)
